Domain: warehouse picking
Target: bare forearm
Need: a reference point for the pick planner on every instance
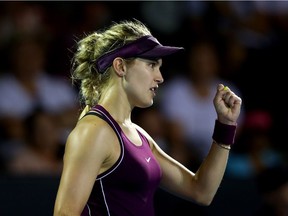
(210, 173)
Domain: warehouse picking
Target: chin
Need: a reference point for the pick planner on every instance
(146, 105)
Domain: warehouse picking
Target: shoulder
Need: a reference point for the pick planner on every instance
(91, 135)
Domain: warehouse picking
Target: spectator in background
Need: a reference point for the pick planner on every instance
(41, 153)
(18, 18)
(194, 90)
(95, 15)
(163, 16)
(254, 151)
(27, 86)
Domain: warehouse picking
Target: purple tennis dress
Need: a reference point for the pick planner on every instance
(128, 187)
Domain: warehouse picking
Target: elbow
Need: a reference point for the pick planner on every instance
(205, 202)
(201, 201)
(204, 199)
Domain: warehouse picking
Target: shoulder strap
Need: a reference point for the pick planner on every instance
(105, 118)
(116, 128)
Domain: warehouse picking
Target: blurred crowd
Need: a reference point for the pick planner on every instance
(240, 44)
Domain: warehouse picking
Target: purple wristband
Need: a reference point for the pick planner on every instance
(224, 133)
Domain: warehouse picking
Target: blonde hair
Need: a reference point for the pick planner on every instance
(93, 46)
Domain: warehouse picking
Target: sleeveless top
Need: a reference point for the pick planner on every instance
(128, 187)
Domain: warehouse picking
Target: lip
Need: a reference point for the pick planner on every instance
(154, 89)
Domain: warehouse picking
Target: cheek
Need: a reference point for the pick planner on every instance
(138, 76)
(136, 87)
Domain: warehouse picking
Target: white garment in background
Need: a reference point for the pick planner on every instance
(54, 94)
(178, 101)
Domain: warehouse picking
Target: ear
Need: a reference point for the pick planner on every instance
(119, 66)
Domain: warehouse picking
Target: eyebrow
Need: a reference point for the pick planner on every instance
(157, 61)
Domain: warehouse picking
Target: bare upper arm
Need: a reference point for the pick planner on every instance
(88, 152)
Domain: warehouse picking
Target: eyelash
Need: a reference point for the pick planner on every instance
(152, 64)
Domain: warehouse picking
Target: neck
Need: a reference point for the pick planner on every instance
(115, 101)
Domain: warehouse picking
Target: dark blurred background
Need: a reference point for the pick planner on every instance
(241, 43)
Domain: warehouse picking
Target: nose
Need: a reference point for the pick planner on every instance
(159, 79)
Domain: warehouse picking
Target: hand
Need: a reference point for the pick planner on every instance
(227, 105)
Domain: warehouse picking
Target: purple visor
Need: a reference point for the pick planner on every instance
(145, 47)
